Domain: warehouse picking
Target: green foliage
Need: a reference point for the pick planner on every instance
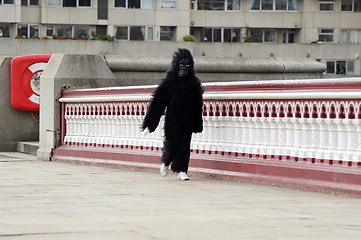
(246, 36)
(105, 38)
(189, 38)
(247, 39)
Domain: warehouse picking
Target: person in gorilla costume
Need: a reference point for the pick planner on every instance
(180, 92)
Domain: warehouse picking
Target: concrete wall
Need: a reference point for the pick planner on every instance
(15, 125)
(323, 52)
(66, 71)
(148, 70)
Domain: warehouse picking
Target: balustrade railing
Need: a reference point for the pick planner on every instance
(317, 121)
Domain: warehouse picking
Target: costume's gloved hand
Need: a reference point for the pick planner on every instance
(146, 131)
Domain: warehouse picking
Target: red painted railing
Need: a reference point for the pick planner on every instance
(278, 131)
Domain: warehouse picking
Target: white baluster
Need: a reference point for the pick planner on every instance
(282, 136)
(321, 150)
(298, 136)
(351, 132)
(306, 138)
(342, 139)
(357, 154)
(245, 122)
(290, 136)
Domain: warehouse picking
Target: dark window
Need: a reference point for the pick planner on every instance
(267, 4)
(281, 5)
(167, 33)
(227, 37)
(341, 67)
(357, 6)
(254, 5)
(210, 4)
(325, 35)
(133, 3)
(69, 3)
(84, 3)
(4, 30)
(122, 33)
(351, 5)
(327, 5)
(346, 5)
(331, 67)
(136, 33)
(101, 30)
(64, 31)
(288, 36)
(217, 35)
(119, 3)
(208, 35)
(256, 34)
(103, 9)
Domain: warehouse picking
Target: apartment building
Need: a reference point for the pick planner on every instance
(267, 22)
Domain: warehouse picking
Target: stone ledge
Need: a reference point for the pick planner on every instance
(217, 64)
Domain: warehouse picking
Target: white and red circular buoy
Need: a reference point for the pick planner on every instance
(25, 81)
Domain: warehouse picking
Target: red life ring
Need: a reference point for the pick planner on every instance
(25, 81)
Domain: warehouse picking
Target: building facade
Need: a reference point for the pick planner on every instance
(336, 23)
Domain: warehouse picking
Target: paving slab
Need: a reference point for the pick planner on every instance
(56, 200)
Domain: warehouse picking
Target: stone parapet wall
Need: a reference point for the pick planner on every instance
(145, 70)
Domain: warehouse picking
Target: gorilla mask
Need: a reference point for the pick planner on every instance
(184, 66)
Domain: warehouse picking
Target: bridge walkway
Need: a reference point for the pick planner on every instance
(55, 200)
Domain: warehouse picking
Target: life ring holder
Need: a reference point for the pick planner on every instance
(25, 81)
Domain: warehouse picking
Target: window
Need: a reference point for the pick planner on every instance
(288, 36)
(219, 34)
(350, 36)
(69, 3)
(325, 35)
(28, 30)
(168, 4)
(274, 5)
(134, 33)
(346, 67)
(140, 4)
(4, 30)
(327, 5)
(167, 33)
(81, 31)
(50, 31)
(133, 3)
(198, 33)
(147, 4)
(351, 5)
(29, 2)
(121, 33)
(84, 3)
(6, 2)
(54, 3)
(263, 35)
(219, 5)
(64, 31)
(67, 31)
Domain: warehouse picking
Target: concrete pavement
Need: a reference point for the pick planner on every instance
(55, 201)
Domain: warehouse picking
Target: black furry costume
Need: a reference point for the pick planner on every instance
(181, 93)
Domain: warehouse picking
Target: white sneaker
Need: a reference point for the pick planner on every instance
(183, 176)
(164, 170)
